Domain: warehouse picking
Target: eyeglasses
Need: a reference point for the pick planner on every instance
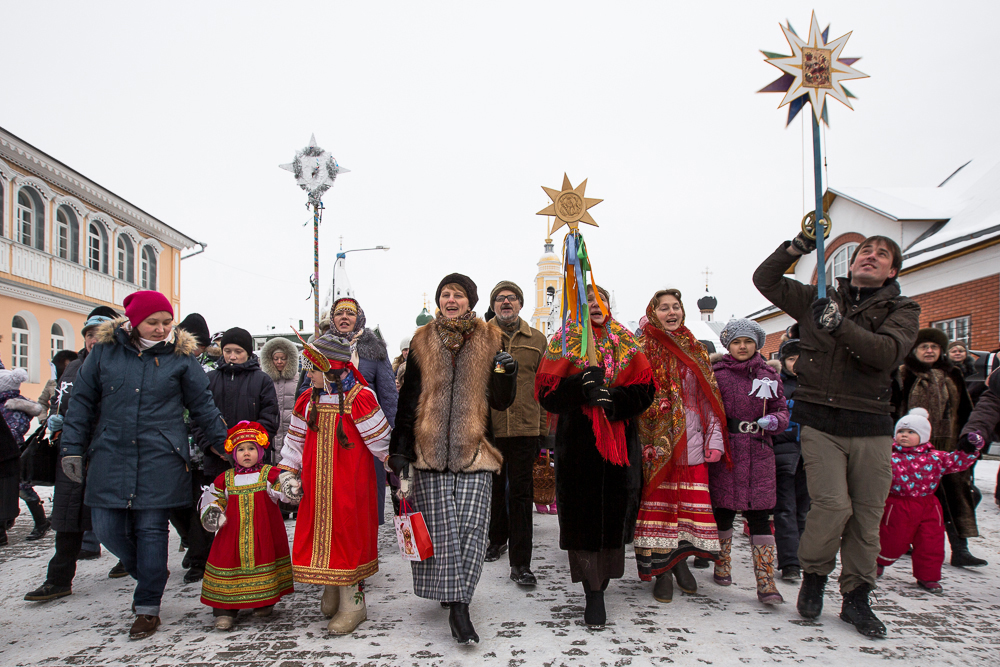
(506, 297)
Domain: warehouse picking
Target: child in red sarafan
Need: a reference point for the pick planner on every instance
(249, 566)
(912, 512)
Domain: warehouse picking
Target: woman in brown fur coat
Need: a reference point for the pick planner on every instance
(441, 447)
(927, 379)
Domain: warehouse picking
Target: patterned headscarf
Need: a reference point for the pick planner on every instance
(454, 332)
(351, 305)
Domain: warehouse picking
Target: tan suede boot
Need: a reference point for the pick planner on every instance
(331, 600)
(352, 611)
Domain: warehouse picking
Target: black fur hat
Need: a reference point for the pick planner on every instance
(465, 282)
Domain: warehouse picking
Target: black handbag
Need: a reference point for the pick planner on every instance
(39, 459)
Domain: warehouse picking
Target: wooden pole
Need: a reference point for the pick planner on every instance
(317, 206)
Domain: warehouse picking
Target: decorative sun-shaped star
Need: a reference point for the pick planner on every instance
(813, 71)
(315, 170)
(569, 206)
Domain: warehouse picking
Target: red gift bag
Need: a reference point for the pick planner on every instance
(411, 533)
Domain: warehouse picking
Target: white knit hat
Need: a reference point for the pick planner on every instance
(404, 344)
(917, 421)
(11, 379)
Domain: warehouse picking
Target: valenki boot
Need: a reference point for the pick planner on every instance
(352, 611)
(724, 566)
(764, 555)
(331, 601)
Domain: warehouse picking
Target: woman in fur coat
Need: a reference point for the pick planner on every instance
(927, 379)
(756, 410)
(598, 456)
(279, 358)
(442, 449)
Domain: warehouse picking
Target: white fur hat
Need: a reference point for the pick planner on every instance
(917, 421)
(11, 379)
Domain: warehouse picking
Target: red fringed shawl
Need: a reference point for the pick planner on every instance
(624, 364)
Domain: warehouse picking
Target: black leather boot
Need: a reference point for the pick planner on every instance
(810, 602)
(461, 624)
(858, 612)
(42, 524)
(595, 615)
(960, 555)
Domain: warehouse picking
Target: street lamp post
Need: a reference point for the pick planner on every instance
(342, 256)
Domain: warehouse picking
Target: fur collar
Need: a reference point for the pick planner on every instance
(371, 347)
(184, 343)
(291, 352)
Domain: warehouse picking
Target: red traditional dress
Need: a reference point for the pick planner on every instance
(249, 565)
(684, 422)
(336, 529)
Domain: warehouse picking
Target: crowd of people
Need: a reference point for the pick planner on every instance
(859, 439)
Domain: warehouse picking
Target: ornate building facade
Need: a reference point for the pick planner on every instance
(67, 245)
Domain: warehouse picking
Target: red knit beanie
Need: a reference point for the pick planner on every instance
(140, 305)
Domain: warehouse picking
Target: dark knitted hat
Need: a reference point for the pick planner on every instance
(506, 285)
(196, 325)
(237, 336)
(333, 347)
(789, 348)
(103, 311)
(932, 335)
(465, 282)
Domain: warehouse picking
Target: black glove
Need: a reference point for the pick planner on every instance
(970, 443)
(506, 362)
(601, 398)
(826, 314)
(803, 243)
(592, 377)
(397, 462)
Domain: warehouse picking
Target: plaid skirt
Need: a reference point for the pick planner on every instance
(456, 509)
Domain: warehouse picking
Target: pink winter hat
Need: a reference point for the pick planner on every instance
(140, 305)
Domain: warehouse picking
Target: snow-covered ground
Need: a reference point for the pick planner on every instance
(544, 626)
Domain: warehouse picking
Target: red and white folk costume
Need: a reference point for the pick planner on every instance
(336, 530)
(249, 565)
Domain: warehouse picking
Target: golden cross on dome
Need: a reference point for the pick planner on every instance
(569, 205)
(706, 273)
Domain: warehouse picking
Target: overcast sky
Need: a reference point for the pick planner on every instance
(451, 115)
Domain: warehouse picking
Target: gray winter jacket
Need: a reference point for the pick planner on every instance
(285, 384)
(133, 402)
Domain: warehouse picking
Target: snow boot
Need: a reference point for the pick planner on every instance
(724, 566)
(960, 555)
(330, 602)
(791, 573)
(461, 624)
(663, 589)
(762, 547)
(595, 615)
(352, 611)
(810, 603)
(858, 612)
(685, 580)
(42, 524)
(931, 587)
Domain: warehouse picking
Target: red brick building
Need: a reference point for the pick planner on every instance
(950, 237)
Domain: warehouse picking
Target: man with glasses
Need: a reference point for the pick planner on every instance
(519, 432)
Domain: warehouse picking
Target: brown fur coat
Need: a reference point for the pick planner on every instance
(442, 422)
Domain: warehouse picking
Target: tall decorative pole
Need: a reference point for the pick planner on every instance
(813, 71)
(569, 206)
(315, 171)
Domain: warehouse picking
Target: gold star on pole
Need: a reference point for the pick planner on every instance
(569, 206)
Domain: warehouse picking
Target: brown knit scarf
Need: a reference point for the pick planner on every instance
(454, 333)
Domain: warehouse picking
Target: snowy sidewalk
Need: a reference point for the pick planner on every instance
(544, 626)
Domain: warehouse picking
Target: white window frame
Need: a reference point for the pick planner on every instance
(843, 253)
(95, 244)
(954, 326)
(58, 339)
(20, 344)
(147, 261)
(25, 220)
(64, 247)
(125, 259)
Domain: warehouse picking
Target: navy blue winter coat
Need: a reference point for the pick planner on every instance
(133, 403)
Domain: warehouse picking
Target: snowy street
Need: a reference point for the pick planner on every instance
(544, 626)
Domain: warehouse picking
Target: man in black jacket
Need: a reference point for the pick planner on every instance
(70, 517)
(242, 392)
(851, 342)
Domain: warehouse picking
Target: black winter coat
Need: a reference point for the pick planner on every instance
(241, 392)
(68, 514)
(598, 501)
(788, 441)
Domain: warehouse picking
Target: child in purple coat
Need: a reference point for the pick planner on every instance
(745, 480)
(912, 514)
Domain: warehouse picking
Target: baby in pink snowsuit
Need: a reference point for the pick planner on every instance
(912, 512)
